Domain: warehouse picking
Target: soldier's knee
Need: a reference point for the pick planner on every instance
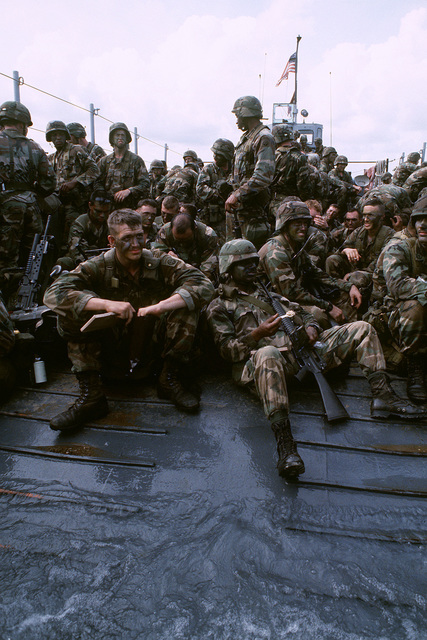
(269, 352)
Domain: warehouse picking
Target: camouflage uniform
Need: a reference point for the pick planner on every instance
(391, 195)
(104, 277)
(405, 271)
(181, 184)
(291, 273)
(253, 172)
(202, 253)
(84, 235)
(415, 183)
(342, 188)
(150, 236)
(338, 236)
(25, 173)
(338, 265)
(317, 246)
(118, 174)
(233, 316)
(402, 172)
(95, 151)
(212, 190)
(291, 177)
(7, 335)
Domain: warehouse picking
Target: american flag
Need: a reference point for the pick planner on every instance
(290, 68)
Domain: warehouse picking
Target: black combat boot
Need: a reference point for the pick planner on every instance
(170, 387)
(385, 402)
(415, 386)
(90, 405)
(289, 465)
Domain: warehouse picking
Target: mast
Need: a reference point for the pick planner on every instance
(295, 96)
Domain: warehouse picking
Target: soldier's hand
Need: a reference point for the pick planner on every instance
(337, 315)
(355, 297)
(352, 255)
(122, 309)
(68, 186)
(173, 254)
(266, 328)
(121, 195)
(320, 222)
(231, 202)
(312, 334)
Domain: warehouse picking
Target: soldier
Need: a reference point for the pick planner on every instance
(358, 256)
(252, 174)
(190, 157)
(191, 241)
(169, 208)
(304, 144)
(131, 283)
(291, 176)
(415, 183)
(123, 173)
(213, 186)
(25, 173)
(404, 170)
(182, 183)
(289, 268)
(386, 177)
(328, 159)
(78, 136)
(405, 273)
(343, 186)
(88, 232)
(147, 209)
(156, 173)
(75, 174)
(248, 334)
(352, 221)
(318, 146)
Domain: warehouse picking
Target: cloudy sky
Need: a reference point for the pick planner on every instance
(173, 69)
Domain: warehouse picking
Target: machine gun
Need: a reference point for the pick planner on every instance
(308, 360)
(26, 308)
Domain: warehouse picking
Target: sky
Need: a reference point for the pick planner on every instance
(173, 69)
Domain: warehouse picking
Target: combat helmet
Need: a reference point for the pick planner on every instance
(190, 154)
(235, 251)
(413, 157)
(114, 127)
(327, 151)
(11, 110)
(223, 147)
(341, 160)
(420, 208)
(291, 210)
(282, 133)
(157, 164)
(247, 107)
(76, 129)
(56, 125)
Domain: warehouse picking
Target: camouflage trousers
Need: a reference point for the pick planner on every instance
(20, 220)
(324, 319)
(338, 266)
(112, 350)
(408, 325)
(254, 226)
(268, 366)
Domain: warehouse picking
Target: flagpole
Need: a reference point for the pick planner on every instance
(296, 81)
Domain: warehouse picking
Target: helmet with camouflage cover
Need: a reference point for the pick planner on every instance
(413, 157)
(76, 129)
(291, 210)
(223, 147)
(190, 154)
(11, 110)
(341, 160)
(157, 164)
(327, 151)
(235, 251)
(282, 133)
(56, 125)
(420, 208)
(247, 107)
(115, 127)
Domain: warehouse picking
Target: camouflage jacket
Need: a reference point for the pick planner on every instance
(24, 166)
(212, 190)
(405, 271)
(416, 182)
(291, 176)
(402, 172)
(290, 273)
(232, 316)
(84, 235)
(73, 162)
(104, 277)
(253, 168)
(202, 253)
(379, 287)
(7, 335)
(150, 236)
(156, 186)
(317, 246)
(388, 194)
(95, 151)
(118, 174)
(340, 179)
(338, 236)
(369, 251)
(181, 184)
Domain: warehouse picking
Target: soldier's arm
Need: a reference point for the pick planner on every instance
(205, 190)
(231, 347)
(263, 173)
(190, 283)
(45, 179)
(397, 271)
(89, 169)
(141, 186)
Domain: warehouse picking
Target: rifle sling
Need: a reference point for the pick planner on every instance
(258, 303)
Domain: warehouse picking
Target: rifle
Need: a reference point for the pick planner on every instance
(26, 307)
(308, 360)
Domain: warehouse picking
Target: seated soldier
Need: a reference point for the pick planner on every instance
(352, 221)
(191, 241)
(293, 274)
(129, 282)
(147, 209)
(89, 232)
(169, 208)
(405, 274)
(248, 333)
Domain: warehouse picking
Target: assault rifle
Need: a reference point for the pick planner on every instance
(307, 359)
(26, 305)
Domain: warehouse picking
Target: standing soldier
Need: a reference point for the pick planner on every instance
(253, 173)
(123, 173)
(78, 136)
(75, 173)
(213, 186)
(25, 173)
(156, 173)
